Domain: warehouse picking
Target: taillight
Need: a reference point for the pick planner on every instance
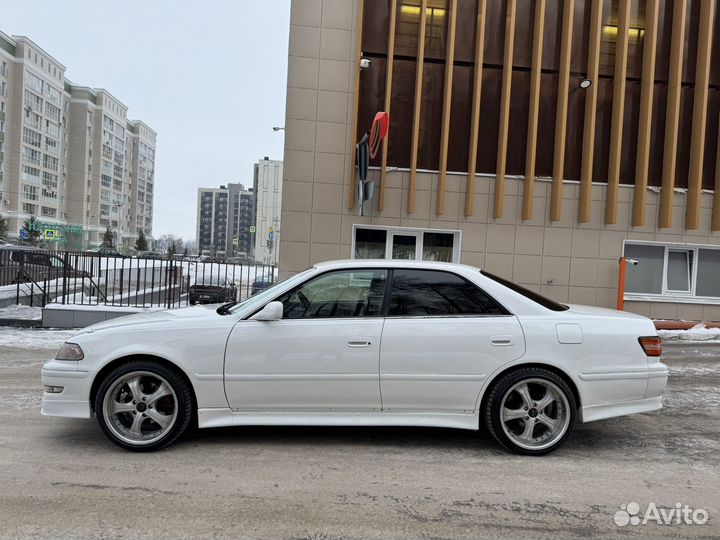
(651, 345)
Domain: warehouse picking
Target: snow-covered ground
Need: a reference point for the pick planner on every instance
(34, 338)
(696, 333)
(25, 313)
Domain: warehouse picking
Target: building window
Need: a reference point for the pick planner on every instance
(677, 272)
(48, 212)
(33, 82)
(405, 243)
(52, 112)
(31, 137)
(53, 95)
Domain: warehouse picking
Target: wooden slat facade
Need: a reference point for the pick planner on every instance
(588, 144)
(475, 111)
(562, 112)
(388, 99)
(416, 108)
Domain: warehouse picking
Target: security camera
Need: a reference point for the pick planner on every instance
(632, 261)
(365, 63)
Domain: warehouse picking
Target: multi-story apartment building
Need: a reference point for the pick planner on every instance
(142, 175)
(225, 220)
(69, 154)
(33, 104)
(268, 194)
(243, 236)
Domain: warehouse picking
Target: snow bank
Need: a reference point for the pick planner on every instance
(34, 338)
(25, 313)
(696, 333)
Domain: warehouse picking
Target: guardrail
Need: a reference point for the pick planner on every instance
(38, 277)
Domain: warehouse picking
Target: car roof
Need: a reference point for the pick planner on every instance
(391, 263)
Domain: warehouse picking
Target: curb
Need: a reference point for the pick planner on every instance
(21, 323)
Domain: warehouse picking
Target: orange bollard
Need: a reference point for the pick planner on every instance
(621, 284)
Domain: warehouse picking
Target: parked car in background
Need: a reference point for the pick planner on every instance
(260, 285)
(154, 255)
(21, 264)
(363, 342)
(211, 289)
(104, 251)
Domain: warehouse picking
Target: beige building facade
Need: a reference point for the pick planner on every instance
(70, 156)
(612, 172)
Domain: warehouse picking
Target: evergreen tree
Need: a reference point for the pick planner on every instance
(141, 243)
(171, 249)
(32, 229)
(185, 251)
(107, 239)
(3, 228)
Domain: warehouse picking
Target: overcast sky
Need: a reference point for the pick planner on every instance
(208, 75)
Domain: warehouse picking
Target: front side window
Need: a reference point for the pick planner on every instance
(423, 293)
(340, 294)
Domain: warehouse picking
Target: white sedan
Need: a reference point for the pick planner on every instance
(363, 343)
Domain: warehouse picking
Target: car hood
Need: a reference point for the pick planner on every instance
(183, 315)
(592, 310)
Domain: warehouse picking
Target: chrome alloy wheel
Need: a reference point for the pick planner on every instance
(140, 408)
(535, 413)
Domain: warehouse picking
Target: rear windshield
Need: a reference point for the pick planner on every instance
(527, 293)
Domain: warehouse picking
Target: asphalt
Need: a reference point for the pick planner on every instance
(60, 478)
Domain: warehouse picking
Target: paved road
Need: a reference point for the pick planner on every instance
(61, 478)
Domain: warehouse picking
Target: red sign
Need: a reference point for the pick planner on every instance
(378, 131)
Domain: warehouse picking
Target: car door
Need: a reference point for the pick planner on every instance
(442, 337)
(322, 355)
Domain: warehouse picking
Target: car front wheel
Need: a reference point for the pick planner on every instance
(530, 411)
(143, 406)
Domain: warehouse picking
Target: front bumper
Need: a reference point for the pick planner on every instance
(73, 401)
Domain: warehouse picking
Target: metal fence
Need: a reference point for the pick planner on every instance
(37, 278)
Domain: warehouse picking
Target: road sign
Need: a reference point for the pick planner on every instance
(271, 235)
(236, 241)
(23, 234)
(252, 229)
(49, 234)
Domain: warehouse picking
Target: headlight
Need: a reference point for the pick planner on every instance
(70, 351)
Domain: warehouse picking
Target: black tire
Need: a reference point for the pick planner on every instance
(493, 405)
(184, 403)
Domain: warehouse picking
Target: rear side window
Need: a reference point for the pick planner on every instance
(418, 293)
(527, 293)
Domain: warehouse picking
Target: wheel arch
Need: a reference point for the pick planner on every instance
(549, 367)
(117, 362)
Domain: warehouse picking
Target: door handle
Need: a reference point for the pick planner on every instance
(501, 340)
(358, 342)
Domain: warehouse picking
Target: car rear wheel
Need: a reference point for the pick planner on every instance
(530, 411)
(143, 406)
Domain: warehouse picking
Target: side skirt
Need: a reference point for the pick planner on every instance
(209, 418)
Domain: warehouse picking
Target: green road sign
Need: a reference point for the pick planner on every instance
(252, 229)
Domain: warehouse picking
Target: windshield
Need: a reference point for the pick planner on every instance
(527, 293)
(261, 298)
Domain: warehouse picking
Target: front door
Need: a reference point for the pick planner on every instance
(322, 355)
(442, 338)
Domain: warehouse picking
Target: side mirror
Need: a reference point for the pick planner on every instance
(271, 312)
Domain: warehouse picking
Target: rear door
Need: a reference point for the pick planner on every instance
(442, 337)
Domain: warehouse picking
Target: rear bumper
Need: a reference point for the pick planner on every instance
(73, 401)
(651, 383)
(610, 410)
